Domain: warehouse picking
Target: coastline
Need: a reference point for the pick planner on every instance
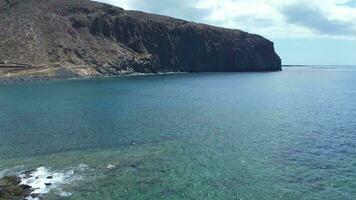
(30, 79)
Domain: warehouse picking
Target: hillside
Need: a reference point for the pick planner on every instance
(68, 38)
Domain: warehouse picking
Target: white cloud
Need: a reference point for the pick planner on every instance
(120, 3)
(270, 18)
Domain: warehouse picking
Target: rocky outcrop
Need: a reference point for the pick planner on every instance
(10, 188)
(81, 37)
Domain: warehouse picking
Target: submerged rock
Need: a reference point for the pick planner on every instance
(84, 38)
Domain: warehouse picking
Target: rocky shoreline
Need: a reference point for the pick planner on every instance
(29, 185)
(11, 188)
(29, 79)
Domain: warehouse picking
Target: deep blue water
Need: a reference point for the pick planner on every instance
(281, 135)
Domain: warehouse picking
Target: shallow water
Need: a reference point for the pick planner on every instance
(283, 135)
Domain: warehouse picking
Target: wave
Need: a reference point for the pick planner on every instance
(43, 180)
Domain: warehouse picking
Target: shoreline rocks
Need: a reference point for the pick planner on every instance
(10, 188)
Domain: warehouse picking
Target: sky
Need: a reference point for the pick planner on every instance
(305, 32)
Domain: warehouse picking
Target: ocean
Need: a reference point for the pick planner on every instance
(253, 136)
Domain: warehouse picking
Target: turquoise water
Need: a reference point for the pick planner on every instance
(282, 135)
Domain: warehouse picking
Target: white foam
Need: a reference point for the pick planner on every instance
(31, 198)
(42, 181)
(2, 173)
(83, 167)
(110, 166)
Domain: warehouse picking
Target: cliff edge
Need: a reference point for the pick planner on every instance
(54, 38)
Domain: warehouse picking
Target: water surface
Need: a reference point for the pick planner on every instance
(282, 135)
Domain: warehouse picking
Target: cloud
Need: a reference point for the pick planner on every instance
(273, 19)
(314, 18)
(120, 3)
(349, 4)
(184, 9)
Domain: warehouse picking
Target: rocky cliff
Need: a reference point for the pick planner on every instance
(81, 37)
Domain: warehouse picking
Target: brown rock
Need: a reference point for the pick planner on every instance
(81, 37)
(10, 188)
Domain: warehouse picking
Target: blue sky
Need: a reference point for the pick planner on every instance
(304, 31)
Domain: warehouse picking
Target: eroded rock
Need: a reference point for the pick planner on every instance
(10, 188)
(82, 38)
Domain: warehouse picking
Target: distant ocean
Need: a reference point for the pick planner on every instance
(320, 67)
(287, 135)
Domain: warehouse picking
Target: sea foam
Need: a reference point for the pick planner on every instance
(43, 180)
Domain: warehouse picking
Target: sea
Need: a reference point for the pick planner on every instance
(288, 135)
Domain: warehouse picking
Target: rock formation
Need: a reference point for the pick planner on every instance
(79, 37)
(11, 189)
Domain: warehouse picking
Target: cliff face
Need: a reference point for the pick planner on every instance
(80, 37)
